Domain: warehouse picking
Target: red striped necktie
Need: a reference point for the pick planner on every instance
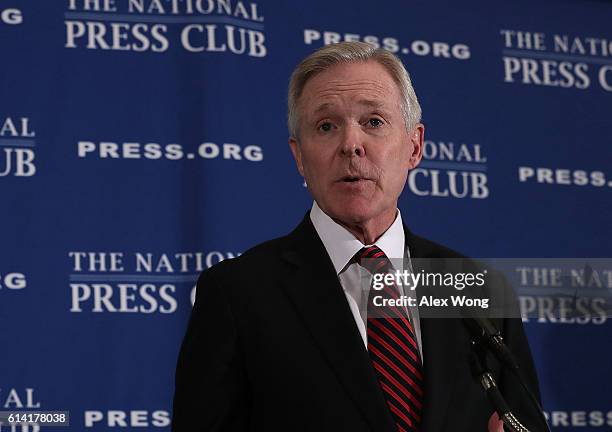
(393, 348)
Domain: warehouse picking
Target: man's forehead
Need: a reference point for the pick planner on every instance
(366, 87)
(364, 102)
(367, 84)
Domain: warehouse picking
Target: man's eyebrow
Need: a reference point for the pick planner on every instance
(322, 107)
(371, 103)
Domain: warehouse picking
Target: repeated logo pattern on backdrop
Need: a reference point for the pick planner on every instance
(142, 141)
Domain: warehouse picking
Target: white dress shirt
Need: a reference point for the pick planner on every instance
(341, 246)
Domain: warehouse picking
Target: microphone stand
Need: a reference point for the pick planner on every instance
(484, 376)
(486, 337)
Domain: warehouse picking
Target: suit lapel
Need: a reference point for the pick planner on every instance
(319, 299)
(440, 347)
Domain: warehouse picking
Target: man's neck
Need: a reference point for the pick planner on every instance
(371, 230)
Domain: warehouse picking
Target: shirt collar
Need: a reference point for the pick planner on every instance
(341, 245)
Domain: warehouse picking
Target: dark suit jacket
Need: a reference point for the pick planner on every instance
(273, 345)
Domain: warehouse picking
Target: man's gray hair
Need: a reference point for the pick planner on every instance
(351, 52)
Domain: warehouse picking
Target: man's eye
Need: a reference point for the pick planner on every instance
(325, 127)
(374, 122)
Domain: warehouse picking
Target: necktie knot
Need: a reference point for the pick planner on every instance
(373, 259)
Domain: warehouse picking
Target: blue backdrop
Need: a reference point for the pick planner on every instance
(142, 141)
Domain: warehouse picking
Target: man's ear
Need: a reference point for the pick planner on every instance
(416, 137)
(297, 154)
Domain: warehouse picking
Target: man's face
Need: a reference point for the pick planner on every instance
(353, 148)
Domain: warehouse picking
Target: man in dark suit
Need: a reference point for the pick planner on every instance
(286, 337)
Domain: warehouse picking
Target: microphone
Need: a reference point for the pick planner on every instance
(485, 332)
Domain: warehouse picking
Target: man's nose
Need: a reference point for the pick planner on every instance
(352, 142)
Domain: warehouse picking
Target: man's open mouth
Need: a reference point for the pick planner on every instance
(352, 179)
